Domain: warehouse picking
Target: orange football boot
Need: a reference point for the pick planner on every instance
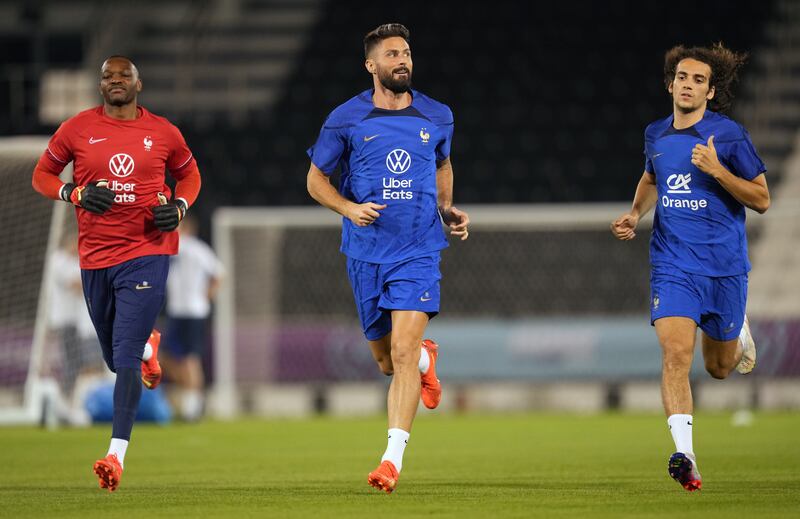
(109, 472)
(151, 370)
(431, 390)
(384, 477)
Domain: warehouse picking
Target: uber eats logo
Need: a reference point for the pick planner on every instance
(398, 161)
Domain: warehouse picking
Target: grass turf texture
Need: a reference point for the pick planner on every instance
(610, 465)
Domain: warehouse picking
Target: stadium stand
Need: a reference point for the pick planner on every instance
(550, 100)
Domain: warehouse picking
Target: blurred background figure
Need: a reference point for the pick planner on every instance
(82, 363)
(194, 278)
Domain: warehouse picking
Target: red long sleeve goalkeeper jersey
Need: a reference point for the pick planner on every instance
(134, 157)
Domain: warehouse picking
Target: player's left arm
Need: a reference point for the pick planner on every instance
(187, 187)
(455, 218)
(167, 215)
(750, 193)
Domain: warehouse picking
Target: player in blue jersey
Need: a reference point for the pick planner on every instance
(701, 171)
(392, 146)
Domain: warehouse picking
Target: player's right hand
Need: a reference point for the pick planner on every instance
(364, 214)
(95, 197)
(624, 227)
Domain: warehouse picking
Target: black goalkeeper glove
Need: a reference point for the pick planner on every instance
(95, 197)
(167, 215)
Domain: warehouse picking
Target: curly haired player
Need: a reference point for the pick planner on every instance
(701, 171)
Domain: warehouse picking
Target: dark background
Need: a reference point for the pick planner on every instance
(550, 99)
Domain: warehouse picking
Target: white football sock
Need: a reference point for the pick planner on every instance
(148, 352)
(680, 426)
(398, 439)
(743, 340)
(424, 360)
(118, 447)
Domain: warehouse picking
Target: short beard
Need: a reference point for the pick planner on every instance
(398, 86)
(119, 102)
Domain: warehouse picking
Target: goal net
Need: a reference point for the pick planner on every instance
(286, 314)
(32, 226)
(539, 293)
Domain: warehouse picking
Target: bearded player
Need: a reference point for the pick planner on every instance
(120, 152)
(392, 145)
(701, 171)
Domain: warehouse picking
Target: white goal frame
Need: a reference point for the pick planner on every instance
(224, 396)
(37, 391)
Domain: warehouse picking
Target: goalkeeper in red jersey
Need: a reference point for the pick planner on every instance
(126, 218)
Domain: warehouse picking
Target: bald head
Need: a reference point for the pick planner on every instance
(119, 81)
(120, 60)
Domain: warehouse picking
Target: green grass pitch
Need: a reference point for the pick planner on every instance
(539, 465)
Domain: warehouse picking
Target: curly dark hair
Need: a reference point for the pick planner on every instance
(724, 65)
(380, 33)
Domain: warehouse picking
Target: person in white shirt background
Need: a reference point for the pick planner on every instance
(195, 274)
(69, 320)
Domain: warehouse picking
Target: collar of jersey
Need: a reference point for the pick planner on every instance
(140, 113)
(691, 130)
(367, 97)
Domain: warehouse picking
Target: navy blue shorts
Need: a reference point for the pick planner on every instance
(379, 288)
(185, 336)
(124, 302)
(716, 304)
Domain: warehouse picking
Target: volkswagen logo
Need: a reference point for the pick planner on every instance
(121, 165)
(398, 161)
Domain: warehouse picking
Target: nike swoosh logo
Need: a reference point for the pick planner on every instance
(92, 140)
(142, 287)
(367, 139)
(656, 155)
(424, 300)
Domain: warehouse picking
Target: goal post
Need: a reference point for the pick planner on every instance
(263, 230)
(32, 227)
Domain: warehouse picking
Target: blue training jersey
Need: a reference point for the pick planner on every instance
(388, 157)
(699, 227)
